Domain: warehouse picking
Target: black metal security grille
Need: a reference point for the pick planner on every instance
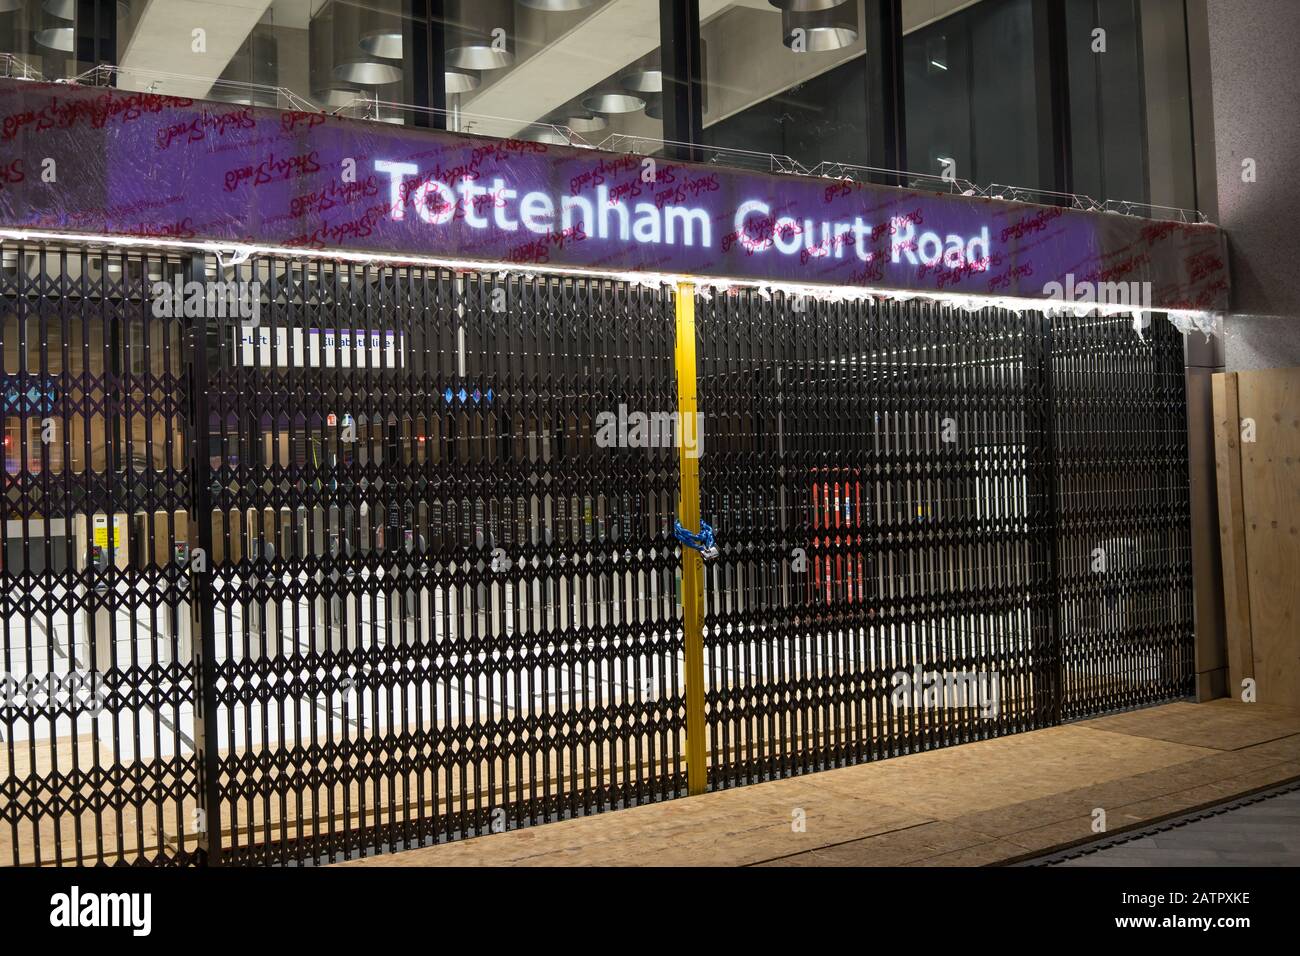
(1123, 532)
(438, 606)
(96, 690)
(391, 561)
(880, 479)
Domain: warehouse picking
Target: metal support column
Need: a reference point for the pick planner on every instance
(683, 96)
(886, 133)
(423, 35)
(95, 33)
(1051, 81)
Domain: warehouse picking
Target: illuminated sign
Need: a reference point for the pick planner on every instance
(166, 168)
(35, 397)
(603, 217)
(318, 348)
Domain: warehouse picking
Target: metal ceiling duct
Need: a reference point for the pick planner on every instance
(805, 6)
(351, 63)
(557, 6)
(643, 76)
(325, 90)
(381, 33)
(257, 63)
(480, 34)
(822, 30)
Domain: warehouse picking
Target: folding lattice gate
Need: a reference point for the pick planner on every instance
(406, 547)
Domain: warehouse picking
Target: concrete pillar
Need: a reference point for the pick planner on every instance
(1241, 67)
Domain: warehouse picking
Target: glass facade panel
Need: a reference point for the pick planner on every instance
(536, 69)
(1130, 107)
(774, 79)
(970, 90)
(784, 82)
(1166, 104)
(38, 38)
(1107, 127)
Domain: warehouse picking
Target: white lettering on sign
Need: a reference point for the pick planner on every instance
(758, 232)
(438, 203)
(913, 246)
(466, 204)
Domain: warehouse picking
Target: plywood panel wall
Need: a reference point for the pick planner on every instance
(1259, 497)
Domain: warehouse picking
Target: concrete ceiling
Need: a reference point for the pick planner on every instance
(921, 13)
(564, 55)
(162, 41)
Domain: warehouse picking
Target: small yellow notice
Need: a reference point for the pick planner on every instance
(100, 537)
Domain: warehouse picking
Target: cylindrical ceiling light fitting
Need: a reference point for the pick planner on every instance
(557, 6)
(610, 99)
(821, 31)
(381, 30)
(654, 107)
(351, 63)
(325, 90)
(582, 121)
(546, 134)
(63, 9)
(461, 81)
(56, 38)
(643, 76)
(480, 34)
(336, 96)
(805, 6)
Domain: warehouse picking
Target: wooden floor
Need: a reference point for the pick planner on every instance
(983, 803)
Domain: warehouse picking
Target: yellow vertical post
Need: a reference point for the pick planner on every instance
(692, 563)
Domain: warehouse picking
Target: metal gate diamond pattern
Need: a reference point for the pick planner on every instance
(438, 608)
(879, 475)
(376, 555)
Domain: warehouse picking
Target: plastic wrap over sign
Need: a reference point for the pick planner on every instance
(110, 162)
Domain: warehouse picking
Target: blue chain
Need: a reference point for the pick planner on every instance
(702, 542)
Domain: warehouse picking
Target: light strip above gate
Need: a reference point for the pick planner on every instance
(1202, 320)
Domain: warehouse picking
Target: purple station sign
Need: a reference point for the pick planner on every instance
(107, 162)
